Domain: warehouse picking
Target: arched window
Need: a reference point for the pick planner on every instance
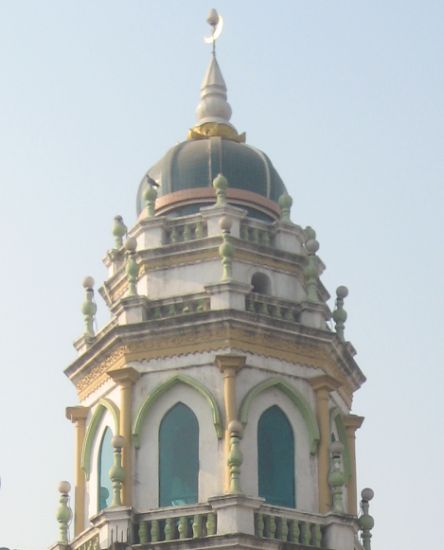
(178, 457)
(276, 458)
(260, 283)
(104, 489)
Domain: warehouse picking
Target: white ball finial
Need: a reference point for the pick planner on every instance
(225, 223)
(118, 442)
(131, 244)
(367, 494)
(88, 282)
(64, 487)
(342, 292)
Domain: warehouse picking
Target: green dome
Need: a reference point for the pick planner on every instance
(195, 163)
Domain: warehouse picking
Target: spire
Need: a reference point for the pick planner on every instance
(213, 112)
(213, 105)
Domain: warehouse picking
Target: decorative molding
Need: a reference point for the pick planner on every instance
(295, 396)
(91, 431)
(212, 337)
(239, 197)
(163, 388)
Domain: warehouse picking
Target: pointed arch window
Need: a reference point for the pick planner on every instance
(105, 461)
(178, 457)
(276, 458)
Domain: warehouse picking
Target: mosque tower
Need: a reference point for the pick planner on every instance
(215, 406)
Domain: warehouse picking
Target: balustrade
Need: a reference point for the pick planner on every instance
(158, 529)
(279, 309)
(185, 306)
(256, 235)
(178, 232)
(296, 530)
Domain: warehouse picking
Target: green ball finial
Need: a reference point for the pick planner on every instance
(89, 307)
(285, 203)
(150, 196)
(220, 184)
(310, 233)
(339, 314)
(119, 231)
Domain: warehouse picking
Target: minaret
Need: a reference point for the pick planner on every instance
(215, 406)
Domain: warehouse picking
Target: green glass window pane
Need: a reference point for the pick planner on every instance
(276, 458)
(105, 463)
(178, 457)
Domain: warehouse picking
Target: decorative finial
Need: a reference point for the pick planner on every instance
(119, 231)
(336, 477)
(132, 269)
(311, 269)
(150, 196)
(89, 307)
(285, 202)
(116, 472)
(64, 512)
(339, 314)
(213, 112)
(226, 249)
(220, 184)
(366, 521)
(217, 23)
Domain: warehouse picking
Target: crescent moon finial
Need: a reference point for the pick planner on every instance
(215, 20)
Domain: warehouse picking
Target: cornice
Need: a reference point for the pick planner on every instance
(214, 331)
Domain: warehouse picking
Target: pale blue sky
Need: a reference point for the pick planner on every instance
(346, 97)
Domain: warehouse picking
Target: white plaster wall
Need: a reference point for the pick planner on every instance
(146, 457)
(305, 463)
(188, 279)
(283, 285)
(180, 280)
(91, 504)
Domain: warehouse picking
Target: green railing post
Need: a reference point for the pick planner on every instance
(366, 521)
(89, 307)
(116, 472)
(339, 314)
(132, 269)
(64, 512)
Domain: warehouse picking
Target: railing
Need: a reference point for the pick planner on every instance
(266, 305)
(180, 231)
(156, 528)
(289, 528)
(161, 309)
(92, 543)
(256, 234)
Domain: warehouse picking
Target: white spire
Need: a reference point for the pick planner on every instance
(213, 105)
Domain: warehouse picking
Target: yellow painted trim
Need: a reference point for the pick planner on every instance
(214, 337)
(77, 415)
(322, 386)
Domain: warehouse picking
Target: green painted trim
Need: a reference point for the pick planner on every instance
(91, 431)
(295, 396)
(163, 388)
(336, 415)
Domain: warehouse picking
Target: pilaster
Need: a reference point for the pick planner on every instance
(126, 378)
(322, 386)
(229, 365)
(352, 423)
(77, 415)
